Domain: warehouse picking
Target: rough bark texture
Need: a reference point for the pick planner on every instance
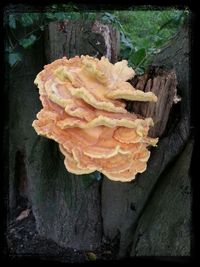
(71, 213)
(66, 207)
(23, 105)
(164, 228)
(123, 204)
(71, 38)
(109, 34)
(163, 85)
(71, 209)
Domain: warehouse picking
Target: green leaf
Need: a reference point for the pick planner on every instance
(140, 70)
(111, 17)
(13, 58)
(50, 15)
(91, 256)
(138, 56)
(125, 52)
(27, 19)
(125, 40)
(61, 15)
(158, 43)
(27, 42)
(108, 18)
(12, 21)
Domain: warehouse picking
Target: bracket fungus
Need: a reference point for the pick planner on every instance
(84, 111)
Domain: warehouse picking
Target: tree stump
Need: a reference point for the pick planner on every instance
(66, 207)
(77, 211)
(124, 204)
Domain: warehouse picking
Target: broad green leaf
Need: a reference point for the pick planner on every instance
(138, 56)
(27, 42)
(12, 21)
(13, 58)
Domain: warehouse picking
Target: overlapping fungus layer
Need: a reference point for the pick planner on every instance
(83, 110)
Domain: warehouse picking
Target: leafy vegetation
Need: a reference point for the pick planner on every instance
(142, 32)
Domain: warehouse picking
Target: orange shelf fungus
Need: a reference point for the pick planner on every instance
(84, 112)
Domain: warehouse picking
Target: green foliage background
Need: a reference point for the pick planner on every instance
(143, 32)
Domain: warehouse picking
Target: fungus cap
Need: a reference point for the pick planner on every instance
(84, 112)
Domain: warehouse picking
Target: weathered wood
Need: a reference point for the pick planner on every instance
(109, 34)
(164, 228)
(66, 207)
(71, 38)
(163, 84)
(23, 105)
(123, 204)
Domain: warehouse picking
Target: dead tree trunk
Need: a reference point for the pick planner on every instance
(131, 202)
(77, 211)
(66, 207)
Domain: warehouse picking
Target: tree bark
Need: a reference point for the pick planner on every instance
(77, 211)
(81, 38)
(164, 228)
(66, 207)
(124, 204)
